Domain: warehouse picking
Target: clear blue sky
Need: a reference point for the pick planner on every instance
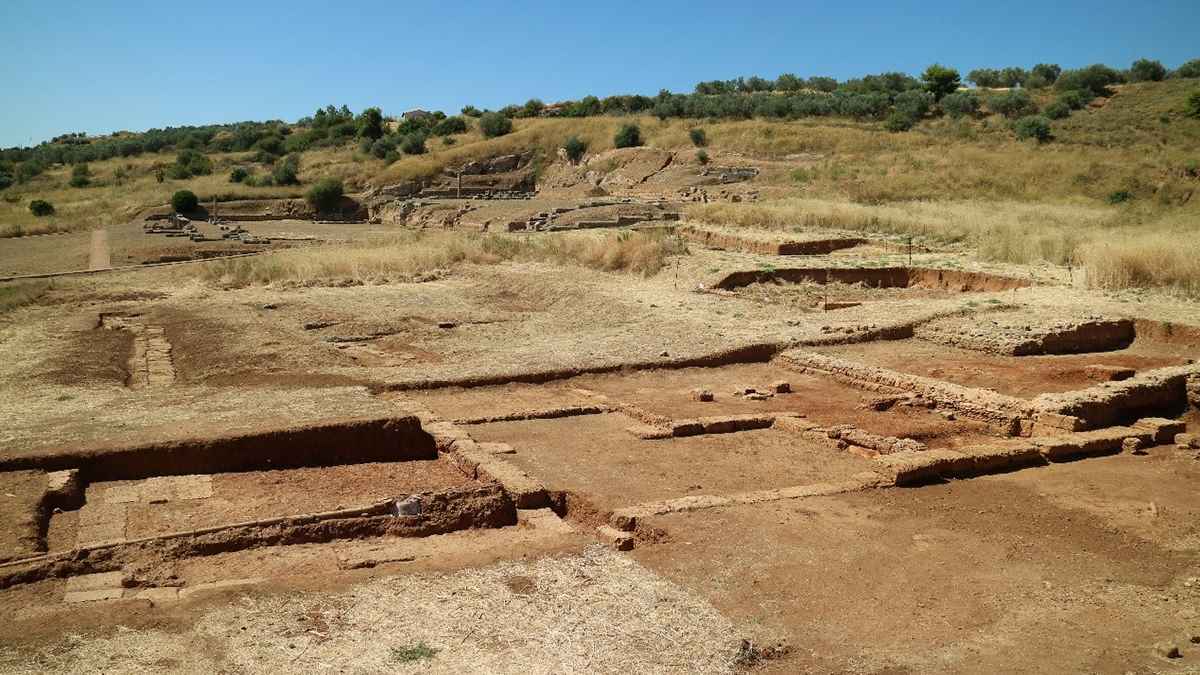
(103, 65)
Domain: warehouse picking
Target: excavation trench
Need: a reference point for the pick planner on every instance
(877, 277)
(346, 480)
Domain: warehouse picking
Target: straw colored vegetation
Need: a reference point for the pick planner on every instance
(413, 256)
(15, 294)
(1119, 248)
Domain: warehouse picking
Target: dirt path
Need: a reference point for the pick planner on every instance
(99, 258)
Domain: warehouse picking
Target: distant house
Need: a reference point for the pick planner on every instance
(416, 114)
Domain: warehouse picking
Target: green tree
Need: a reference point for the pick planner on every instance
(1057, 110)
(1146, 70)
(985, 77)
(961, 104)
(41, 207)
(238, 174)
(532, 108)
(370, 124)
(493, 124)
(325, 195)
(1015, 103)
(575, 148)
(1095, 78)
(898, 121)
(184, 201)
(1189, 69)
(450, 125)
(1048, 72)
(413, 144)
(628, 136)
(940, 80)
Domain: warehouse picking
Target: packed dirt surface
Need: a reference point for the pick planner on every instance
(775, 451)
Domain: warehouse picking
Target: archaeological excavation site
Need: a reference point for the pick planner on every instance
(877, 376)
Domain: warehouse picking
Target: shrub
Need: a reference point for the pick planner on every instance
(1193, 105)
(6, 181)
(493, 124)
(190, 163)
(450, 125)
(1076, 99)
(184, 201)
(81, 176)
(41, 207)
(413, 144)
(628, 136)
(1015, 103)
(1189, 69)
(1146, 70)
(370, 123)
(471, 111)
(702, 157)
(238, 174)
(899, 121)
(914, 103)
(532, 108)
(1033, 126)
(575, 148)
(699, 138)
(961, 104)
(940, 81)
(449, 140)
(984, 77)
(325, 195)
(1120, 197)
(1095, 78)
(1057, 110)
(287, 171)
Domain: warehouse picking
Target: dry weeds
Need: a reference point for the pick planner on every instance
(413, 256)
(597, 612)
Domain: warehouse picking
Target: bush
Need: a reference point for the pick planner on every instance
(287, 171)
(1057, 110)
(1045, 72)
(190, 163)
(6, 181)
(1076, 99)
(961, 104)
(1015, 103)
(1193, 105)
(449, 140)
(1189, 69)
(940, 81)
(575, 148)
(81, 176)
(413, 144)
(702, 157)
(184, 201)
(914, 103)
(238, 175)
(1120, 197)
(450, 125)
(899, 121)
(1033, 126)
(1145, 70)
(471, 111)
(41, 207)
(628, 136)
(493, 124)
(1095, 78)
(699, 138)
(325, 195)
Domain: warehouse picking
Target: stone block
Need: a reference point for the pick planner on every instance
(1161, 430)
(94, 596)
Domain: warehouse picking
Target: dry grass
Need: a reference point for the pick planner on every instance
(598, 612)
(1120, 248)
(16, 294)
(419, 255)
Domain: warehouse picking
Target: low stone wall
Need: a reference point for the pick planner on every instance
(1155, 392)
(1020, 336)
(1006, 413)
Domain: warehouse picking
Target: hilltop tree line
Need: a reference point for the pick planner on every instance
(898, 99)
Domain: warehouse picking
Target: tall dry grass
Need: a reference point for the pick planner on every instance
(412, 256)
(1118, 248)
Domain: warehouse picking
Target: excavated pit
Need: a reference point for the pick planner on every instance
(876, 277)
(345, 480)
